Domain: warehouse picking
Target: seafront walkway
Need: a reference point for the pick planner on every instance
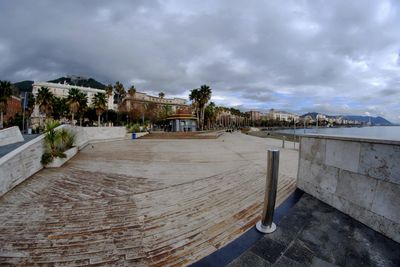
(143, 202)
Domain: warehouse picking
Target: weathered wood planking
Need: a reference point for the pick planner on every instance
(108, 207)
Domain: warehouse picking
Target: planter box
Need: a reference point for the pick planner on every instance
(58, 162)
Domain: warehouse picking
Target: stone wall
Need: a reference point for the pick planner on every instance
(10, 136)
(20, 163)
(85, 135)
(24, 161)
(360, 177)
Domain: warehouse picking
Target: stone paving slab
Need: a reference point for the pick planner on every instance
(316, 234)
(141, 202)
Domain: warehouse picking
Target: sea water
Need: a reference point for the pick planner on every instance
(374, 132)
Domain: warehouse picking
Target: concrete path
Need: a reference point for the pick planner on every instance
(141, 202)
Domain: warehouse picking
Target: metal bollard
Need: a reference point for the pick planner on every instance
(283, 141)
(266, 224)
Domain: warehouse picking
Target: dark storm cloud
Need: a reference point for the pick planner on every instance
(297, 55)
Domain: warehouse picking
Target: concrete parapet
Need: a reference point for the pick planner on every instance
(21, 163)
(10, 136)
(359, 177)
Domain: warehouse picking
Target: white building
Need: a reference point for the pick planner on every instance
(61, 90)
(321, 117)
(282, 115)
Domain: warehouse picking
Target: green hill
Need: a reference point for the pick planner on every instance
(24, 86)
(79, 81)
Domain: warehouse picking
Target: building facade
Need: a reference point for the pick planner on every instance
(61, 90)
(140, 99)
(254, 115)
(282, 115)
(13, 107)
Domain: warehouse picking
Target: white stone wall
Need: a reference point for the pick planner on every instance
(21, 163)
(359, 177)
(85, 135)
(10, 136)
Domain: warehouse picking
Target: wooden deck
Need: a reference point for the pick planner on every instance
(140, 202)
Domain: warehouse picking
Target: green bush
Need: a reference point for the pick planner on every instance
(134, 128)
(56, 142)
(47, 158)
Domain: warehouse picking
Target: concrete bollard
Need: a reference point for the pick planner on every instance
(283, 141)
(266, 224)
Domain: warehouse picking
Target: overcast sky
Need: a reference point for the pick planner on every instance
(336, 57)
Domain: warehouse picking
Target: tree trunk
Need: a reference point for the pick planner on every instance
(73, 121)
(202, 115)
(98, 120)
(1, 121)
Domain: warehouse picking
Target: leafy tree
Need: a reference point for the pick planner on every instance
(5, 94)
(161, 95)
(45, 101)
(100, 104)
(167, 111)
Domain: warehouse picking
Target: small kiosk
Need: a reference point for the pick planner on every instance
(182, 121)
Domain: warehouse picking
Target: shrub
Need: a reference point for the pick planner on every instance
(56, 142)
(47, 157)
(135, 128)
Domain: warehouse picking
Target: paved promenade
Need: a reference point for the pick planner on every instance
(142, 202)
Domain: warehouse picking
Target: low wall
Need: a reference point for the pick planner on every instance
(360, 177)
(20, 163)
(10, 136)
(85, 135)
(24, 161)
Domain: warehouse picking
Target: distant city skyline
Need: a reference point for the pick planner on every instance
(336, 58)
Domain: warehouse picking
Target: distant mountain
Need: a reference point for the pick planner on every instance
(366, 119)
(24, 86)
(374, 120)
(79, 81)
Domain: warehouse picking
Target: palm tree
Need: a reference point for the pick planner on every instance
(161, 95)
(109, 90)
(211, 114)
(194, 96)
(5, 94)
(60, 107)
(132, 91)
(205, 96)
(100, 104)
(120, 90)
(83, 105)
(74, 100)
(45, 101)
